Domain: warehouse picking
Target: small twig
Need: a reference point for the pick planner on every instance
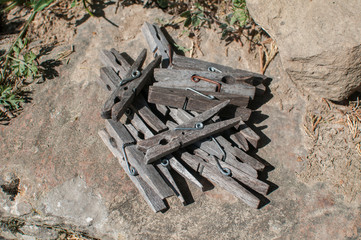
(65, 54)
(316, 123)
(358, 149)
(271, 55)
(192, 50)
(352, 124)
(357, 105)
(328, 104)
(260, 49)
(308, 132)
(117, 7)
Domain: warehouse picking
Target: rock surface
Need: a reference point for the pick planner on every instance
(69, 179)
(319, 42)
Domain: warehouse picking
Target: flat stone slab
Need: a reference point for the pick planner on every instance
(68, 177)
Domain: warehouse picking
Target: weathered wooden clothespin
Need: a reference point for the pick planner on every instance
(185, 134)
(122, 140)
(202, 80)
(199, 101)
(182, 62)
(160, 46)
(158, 43)
(128, 88)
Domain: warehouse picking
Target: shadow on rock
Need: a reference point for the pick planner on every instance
(11, 188)
(98, 12)
(49, 69)
(257, 117)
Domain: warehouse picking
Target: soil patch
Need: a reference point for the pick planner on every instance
(333, 145)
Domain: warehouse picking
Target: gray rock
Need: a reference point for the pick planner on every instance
(319, 42)
(30, 232)
(76, 203)
(6, 235)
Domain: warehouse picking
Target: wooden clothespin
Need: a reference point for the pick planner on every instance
(122, 140)
(128, 88)
(255, 79)
(202, 80)
(181, 62)
(160, 46)
(158, 43)
(199, 101)
(185, 134)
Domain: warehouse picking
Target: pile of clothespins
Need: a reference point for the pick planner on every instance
(181, 115)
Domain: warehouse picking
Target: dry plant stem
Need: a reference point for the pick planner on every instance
(358, 149)
(328, 104)
(352, 124)
(318, 119)
(309, 132)
(269, 55)
(260, 49)
(192, 50)
(65, 54)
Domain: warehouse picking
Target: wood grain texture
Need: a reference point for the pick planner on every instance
(238, 139)
(244, 157)
(162, 110)
(227, 183)
(179, 168)
(165, 171)
(249, 134)
(123, 96)
(156, 92)
(141, 107)
(150, 196)
(250, 181)
(120, 135)
(175, 78)
(188, 100)
(109, 60)
(174, 163)
(138, 123)
(110, 78)
(181, 62)
(209, 146)
(157, 42)
(173, 142)
(121, 61)
(110, 82)
(165, 137)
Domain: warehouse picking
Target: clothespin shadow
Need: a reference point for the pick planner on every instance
(172, 43)
(262, 99)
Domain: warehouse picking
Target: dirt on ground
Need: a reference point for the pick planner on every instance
(53, 26)
(333, 144)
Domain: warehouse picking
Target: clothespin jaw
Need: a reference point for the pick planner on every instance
(123, 95)
(158, 43)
